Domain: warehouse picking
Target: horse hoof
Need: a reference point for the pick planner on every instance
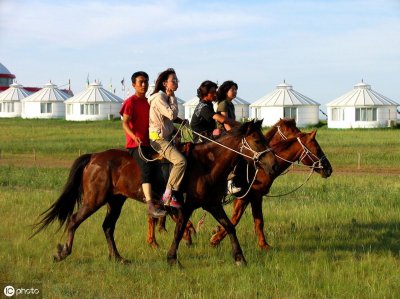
(241, 263)
(214, 241)
(216, 229)
(175, 263)
(162, 230)
(154, 245)
(125, 261)
(57, 258)
(265, 247)
(120, 260)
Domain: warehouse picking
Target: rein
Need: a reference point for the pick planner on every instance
(306, 153)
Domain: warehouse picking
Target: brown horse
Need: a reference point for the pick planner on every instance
(112, 176)
(303, 147)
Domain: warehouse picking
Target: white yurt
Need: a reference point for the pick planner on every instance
(181, 108)
(94, 103)
(45, 103)
(362, 107)
(241, 108)
(10, 100)
(285, 102)
(189, 107)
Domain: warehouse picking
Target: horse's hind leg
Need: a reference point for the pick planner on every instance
(220, 215)
(239, 206)
(114, 207)
(73, 223)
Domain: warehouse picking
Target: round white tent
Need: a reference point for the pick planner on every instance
(94, 103)
(362, 107)
(181, 109)
(285, 102)
(189, 107)
(45, 103)
(10, 100)
(241, 108)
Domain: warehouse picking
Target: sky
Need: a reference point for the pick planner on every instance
(321, 48)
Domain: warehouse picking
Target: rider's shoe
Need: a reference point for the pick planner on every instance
(170, 200)
(232, 189)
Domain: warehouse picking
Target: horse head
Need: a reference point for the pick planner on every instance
(313, 155)
(255, 145)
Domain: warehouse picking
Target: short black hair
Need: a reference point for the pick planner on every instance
(205, 87)
(138, 74)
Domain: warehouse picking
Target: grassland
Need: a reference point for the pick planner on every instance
(333, 238)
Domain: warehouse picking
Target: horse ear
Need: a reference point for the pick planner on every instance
(313, 134)
(244, 128)
(258, 123)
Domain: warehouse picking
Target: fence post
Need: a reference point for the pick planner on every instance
(359, 161)
(34, 155)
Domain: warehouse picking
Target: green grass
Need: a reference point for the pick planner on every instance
(333, 238)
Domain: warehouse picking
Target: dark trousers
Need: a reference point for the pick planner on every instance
(146, 168)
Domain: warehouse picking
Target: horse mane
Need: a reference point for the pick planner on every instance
(284, 144)
(288, 122)
(236, 132)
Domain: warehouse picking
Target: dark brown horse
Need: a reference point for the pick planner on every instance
(289, 145)
(112, 176)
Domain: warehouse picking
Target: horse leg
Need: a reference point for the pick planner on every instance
(73, 223)
(189, 229)
(256, 209)
(220, 215)
(114, 207)
(182, 219)
(161, 224)
(239, 206)
(151, 236)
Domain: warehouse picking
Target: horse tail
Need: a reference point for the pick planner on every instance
(63, 207)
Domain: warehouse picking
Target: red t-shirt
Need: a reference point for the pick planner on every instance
(138, 110)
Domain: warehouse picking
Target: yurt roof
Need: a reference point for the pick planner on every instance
(4, 70)
(284, 95)
(192, 102)
(49, 93)
(239, 101)
(15, 92)
(362, 95)
(95, 93)
(235, 101)
(151, 89)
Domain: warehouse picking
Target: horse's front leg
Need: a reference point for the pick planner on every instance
(114, 208)
(220, 215)
(256, 209)
(183, 216)
(189, 230)
(239, 206)
(151, 235)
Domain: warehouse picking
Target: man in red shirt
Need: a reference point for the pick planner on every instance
(135, 113)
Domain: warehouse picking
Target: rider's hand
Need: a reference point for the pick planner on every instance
(170, 92)
(185, 122)
(137, 140)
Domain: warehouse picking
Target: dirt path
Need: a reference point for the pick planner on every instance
(52, 162)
